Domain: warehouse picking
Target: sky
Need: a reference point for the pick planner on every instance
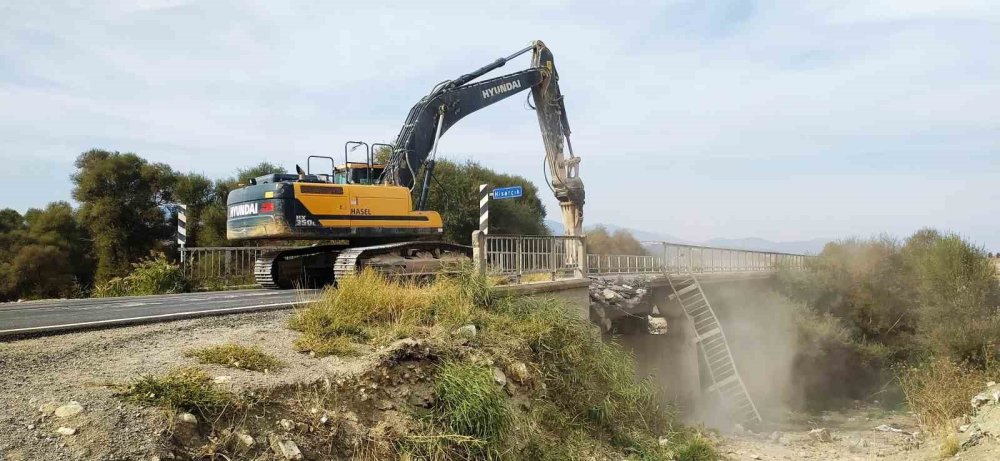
(699, 119)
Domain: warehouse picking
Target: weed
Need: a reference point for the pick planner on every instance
(949, 446)
(471, 404)
(187, 389)
(236, 356)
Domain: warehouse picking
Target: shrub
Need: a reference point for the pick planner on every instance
(236, 356)
(939, 389)
(151, 276)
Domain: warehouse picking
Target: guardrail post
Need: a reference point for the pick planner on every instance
(479, 252)
(518, 256)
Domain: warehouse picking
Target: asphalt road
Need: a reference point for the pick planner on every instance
(35, 317)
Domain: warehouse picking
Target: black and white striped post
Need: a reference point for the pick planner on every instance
(181, 228)
(484, 208)
(479, 236)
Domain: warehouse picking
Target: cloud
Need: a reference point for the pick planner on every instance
(684, 112)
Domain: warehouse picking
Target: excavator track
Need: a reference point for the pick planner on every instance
(400, 260)
(323, 265)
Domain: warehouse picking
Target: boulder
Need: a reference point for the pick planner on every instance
(285, 449)
(70, 409)
(499, 377)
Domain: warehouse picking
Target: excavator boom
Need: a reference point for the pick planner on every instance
(452, 100)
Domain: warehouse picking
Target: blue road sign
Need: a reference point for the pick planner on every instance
(501, 193)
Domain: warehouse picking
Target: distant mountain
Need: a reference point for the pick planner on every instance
(813, 246)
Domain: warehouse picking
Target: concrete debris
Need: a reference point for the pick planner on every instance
(821, 435)
(499, 377)
(980, 400)
(285, 449)
(888, 428)
(609, 294)
(187, 418)
(518, 371)
(70, 409)
(656, 325)
(246, 441)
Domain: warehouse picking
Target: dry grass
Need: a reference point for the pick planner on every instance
(236, 356)
(939, 390)
(370, 308)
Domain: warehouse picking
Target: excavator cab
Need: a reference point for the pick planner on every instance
(357, 173)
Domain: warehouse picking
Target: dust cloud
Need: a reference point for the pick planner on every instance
(760, 327)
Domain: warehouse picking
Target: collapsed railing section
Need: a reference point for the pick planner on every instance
(221, 267)
(677, 258)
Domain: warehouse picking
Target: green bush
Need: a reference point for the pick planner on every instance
(874, 304)
(150, 276)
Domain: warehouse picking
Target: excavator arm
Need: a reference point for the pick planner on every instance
(452, 100)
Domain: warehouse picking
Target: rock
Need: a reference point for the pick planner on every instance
(222, 379)
(286, 424)
(70, 409)
(518, 371)
(324, 419)
(31, 427)
(465, 331)
(499, 377)
(821, 435)
(963, 428)
(754, 456)
(187, 418)
(656, 325)
(775, 437)
(245, 440)
(609, 294)
(980, 400)
(66, 431)
(738, 429)
(285, 449)
(384, 405)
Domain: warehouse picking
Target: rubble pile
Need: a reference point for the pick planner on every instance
(612, 301)
(984, 422)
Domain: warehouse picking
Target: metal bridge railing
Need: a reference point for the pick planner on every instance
(520, 255)
(221, 267)
(674, 258)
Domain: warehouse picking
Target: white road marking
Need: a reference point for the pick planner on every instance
(147, 317)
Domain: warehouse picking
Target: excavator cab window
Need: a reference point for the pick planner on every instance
(357, 173)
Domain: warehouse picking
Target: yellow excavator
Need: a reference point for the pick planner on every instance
(374, 215)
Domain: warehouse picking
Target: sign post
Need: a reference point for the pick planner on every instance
(182, 228)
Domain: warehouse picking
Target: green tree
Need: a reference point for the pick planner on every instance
(455, 194)
(121, 203)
